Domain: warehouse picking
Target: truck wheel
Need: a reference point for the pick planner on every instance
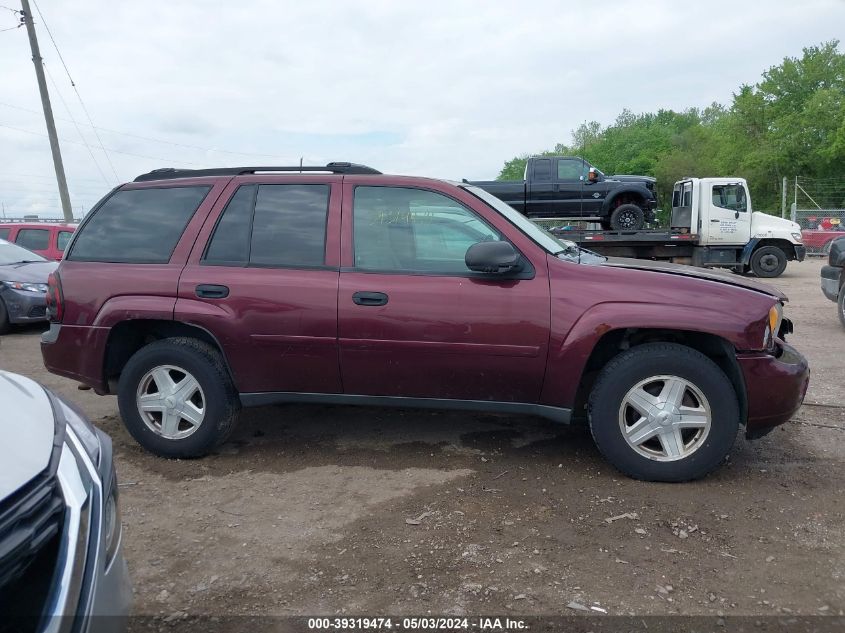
(176, 398)
(768, 262)
(627, 217)
(663, 412)
(840, 304)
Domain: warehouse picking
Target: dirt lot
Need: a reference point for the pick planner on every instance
(306, 510)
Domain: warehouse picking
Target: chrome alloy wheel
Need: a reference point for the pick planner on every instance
(665, 418)
(171, 402)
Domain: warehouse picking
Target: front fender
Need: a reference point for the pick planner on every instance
(569, 353)
(641, 192)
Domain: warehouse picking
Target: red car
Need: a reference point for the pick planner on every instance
(192, 293)
(819, 240)
(47, 239)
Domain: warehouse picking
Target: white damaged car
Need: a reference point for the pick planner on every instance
(61, 559)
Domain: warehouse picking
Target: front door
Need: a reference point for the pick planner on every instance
(415, 322)
(263, 277)
(569, 187)
(729, 220)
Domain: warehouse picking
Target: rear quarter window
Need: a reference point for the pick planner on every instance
(4, 234)
(63, 239)
(137, 225)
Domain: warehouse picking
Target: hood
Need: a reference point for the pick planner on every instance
(720, 276)
(630, 178)
(766, 225)
(35, 272)
(27, 427)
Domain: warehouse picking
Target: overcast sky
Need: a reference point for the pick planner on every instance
(448, 89)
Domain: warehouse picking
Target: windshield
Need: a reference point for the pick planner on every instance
(555, 246)
(14, 254)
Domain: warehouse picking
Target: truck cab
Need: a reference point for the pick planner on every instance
(719, 212)
(570, 187)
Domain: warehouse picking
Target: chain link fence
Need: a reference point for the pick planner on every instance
(818, 206)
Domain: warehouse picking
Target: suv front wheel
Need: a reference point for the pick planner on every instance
(663, 412)
(176, 398)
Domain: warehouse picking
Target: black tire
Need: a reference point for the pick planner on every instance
(768, 262)
(650, 360)
(840, 304)
(826, 247)
(5, 326)
(221, 402)
(627, 217)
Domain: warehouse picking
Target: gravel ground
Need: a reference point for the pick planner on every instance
(340, 510)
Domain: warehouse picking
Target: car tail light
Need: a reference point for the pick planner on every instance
(55, 300)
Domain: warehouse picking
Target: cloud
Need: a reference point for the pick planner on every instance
(448, 89)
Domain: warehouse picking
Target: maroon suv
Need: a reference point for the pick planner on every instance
(192, 293)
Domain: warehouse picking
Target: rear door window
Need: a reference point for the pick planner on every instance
(275, 226)
(33, 239)
(138, 225)
(4, 234)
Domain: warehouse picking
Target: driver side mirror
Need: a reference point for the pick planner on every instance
(592, 175)
(497, 258)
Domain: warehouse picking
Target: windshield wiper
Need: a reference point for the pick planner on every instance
(22, 261)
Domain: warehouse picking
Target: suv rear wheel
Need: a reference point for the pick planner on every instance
(176, 398)
(663, 412)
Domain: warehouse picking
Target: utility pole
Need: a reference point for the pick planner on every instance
(783, 199)
(48, 113)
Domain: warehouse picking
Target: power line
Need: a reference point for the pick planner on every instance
(158, 140)
(75, 89)
(115, 151)
(81, 136)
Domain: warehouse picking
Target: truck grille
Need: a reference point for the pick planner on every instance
(30, 522)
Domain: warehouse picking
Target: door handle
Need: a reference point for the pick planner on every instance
(212, 291)
(369, 298)
(716, 220)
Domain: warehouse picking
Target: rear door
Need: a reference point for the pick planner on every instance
(414, 321)
(729, 220)
(541, 189)
(36, 240)
(263, 278)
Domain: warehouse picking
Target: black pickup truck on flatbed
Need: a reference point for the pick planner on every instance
(570, 187)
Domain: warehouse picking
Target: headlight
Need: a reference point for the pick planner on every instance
(773, 325)
(80, 426)
(26, 286)
(111, 521)
(796, 237)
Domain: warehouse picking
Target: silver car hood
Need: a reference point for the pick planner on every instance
(34, 272)
(27, 427)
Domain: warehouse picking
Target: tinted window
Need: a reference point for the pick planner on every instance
(399, 229)
(63, 239)
(4, 233)
(289, 225)
(543, 169)
(33, 239)
(569, 169)
(230, 242)
(138, 225)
